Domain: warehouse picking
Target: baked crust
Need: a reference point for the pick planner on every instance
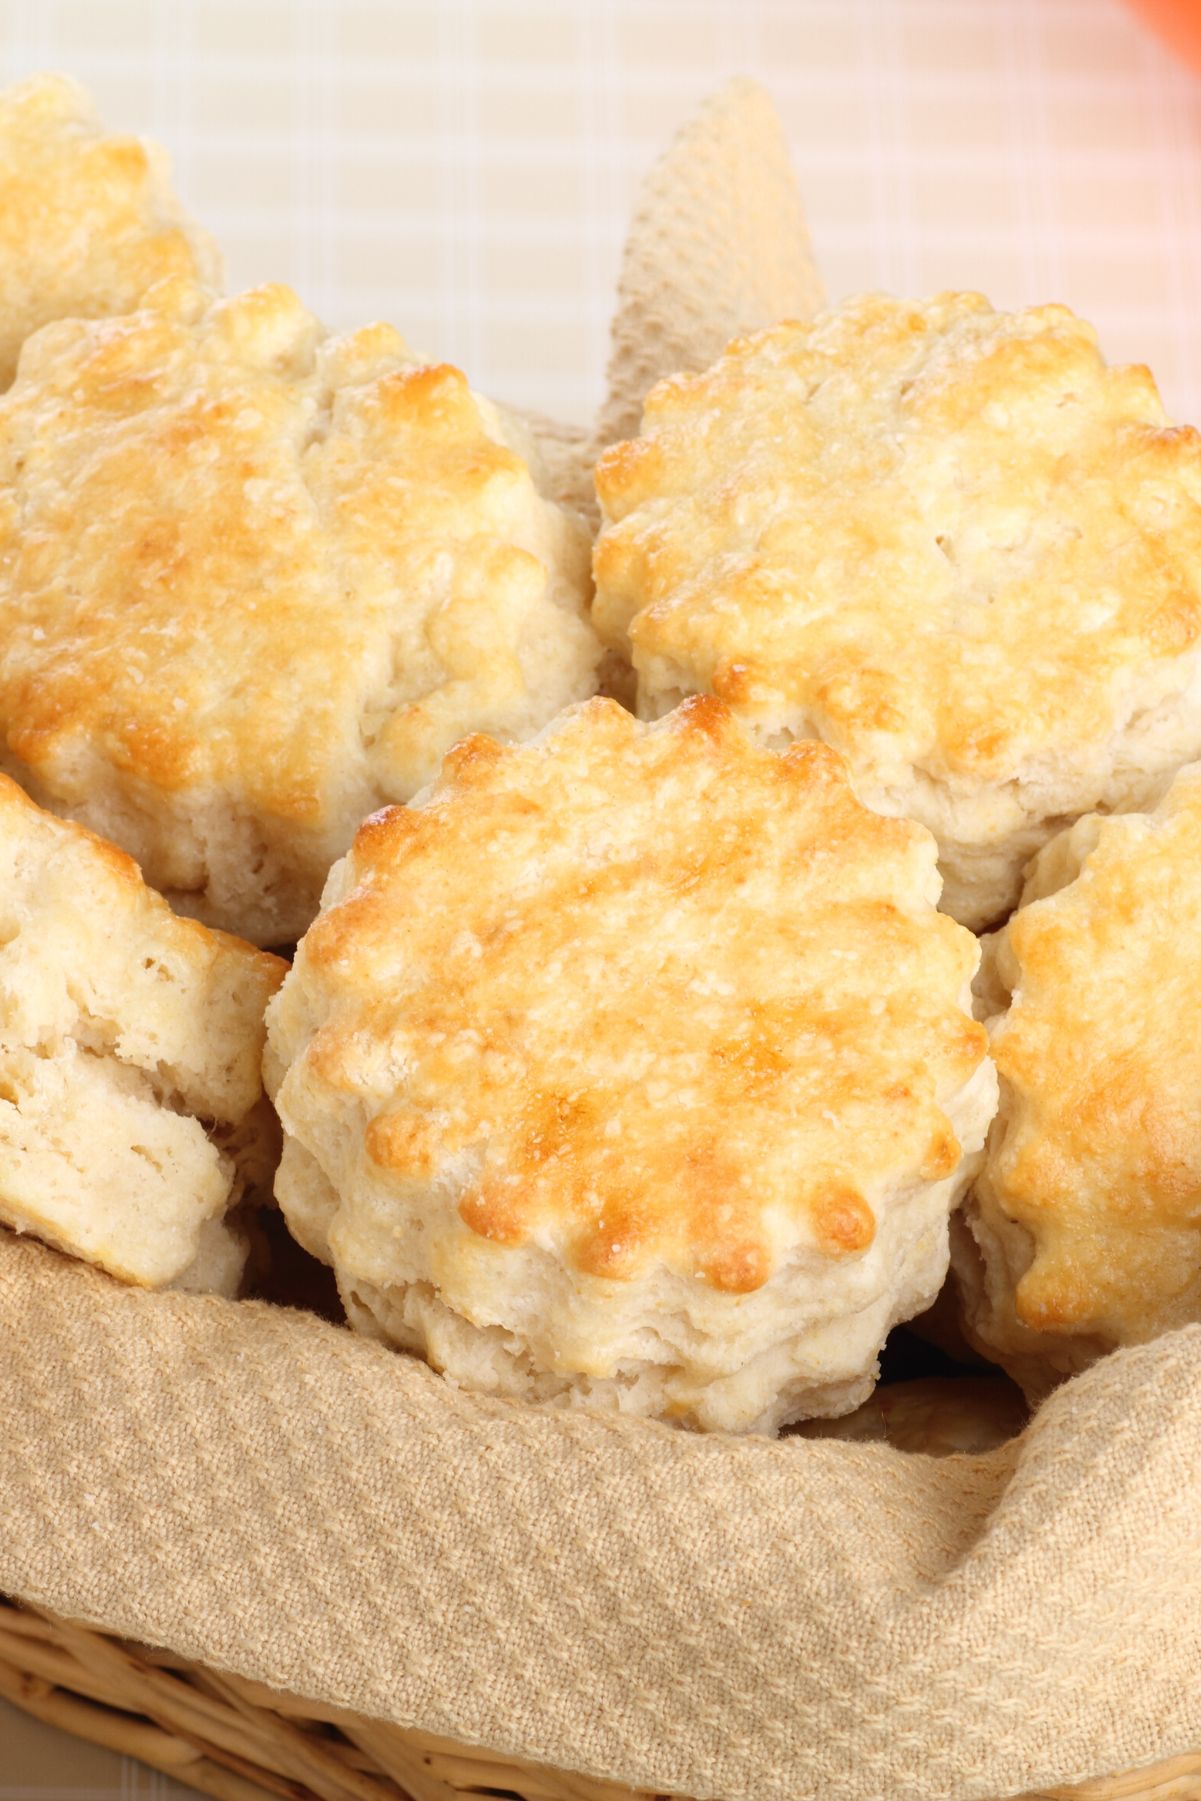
(132, 1117)
(88, 222)
(1083, 1231)
(949, 541)
(255, 581)
(629, 1007)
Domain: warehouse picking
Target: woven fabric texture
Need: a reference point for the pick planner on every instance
(738, 1619)
(718, 246)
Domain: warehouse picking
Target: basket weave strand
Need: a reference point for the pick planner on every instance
(236, 1739)
(239, 1741)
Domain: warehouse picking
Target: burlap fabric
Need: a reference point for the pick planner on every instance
(801, 1621)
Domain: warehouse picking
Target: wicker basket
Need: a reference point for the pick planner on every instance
(240, 1741)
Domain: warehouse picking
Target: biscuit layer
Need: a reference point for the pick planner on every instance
(132, 1118)
(634, 1063)
(1083, 1231)
(88, 222)
(255, 581)
(951, 542)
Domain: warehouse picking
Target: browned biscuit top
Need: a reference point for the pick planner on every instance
(241, 559)
(945, 539)
(88, 222)
(1097, 1148)
(648, 994)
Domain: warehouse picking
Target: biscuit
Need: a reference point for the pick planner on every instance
(1083, 1230)
(951, 542)
(255, 581)
(132, 1116)
(634, 1067)
(88, 222)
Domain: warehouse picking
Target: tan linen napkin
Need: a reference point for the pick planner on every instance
(718, 246)
(723, 1618)
(744, 1620)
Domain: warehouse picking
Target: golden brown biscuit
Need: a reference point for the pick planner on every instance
(88, 222)
(633, 1066)
(132, 1117)
(255, 581)
(951, 542)
(1083, 1231)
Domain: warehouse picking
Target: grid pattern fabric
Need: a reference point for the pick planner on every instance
(466, 167)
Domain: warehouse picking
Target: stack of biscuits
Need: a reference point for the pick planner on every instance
(657, 1054)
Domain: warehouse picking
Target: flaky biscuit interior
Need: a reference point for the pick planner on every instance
(132, 1116)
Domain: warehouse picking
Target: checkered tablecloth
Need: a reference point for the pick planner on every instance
(466, 168)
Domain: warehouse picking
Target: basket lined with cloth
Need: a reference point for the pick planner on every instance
(362, 1581)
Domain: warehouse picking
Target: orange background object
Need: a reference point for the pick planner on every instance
(1178, 23)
